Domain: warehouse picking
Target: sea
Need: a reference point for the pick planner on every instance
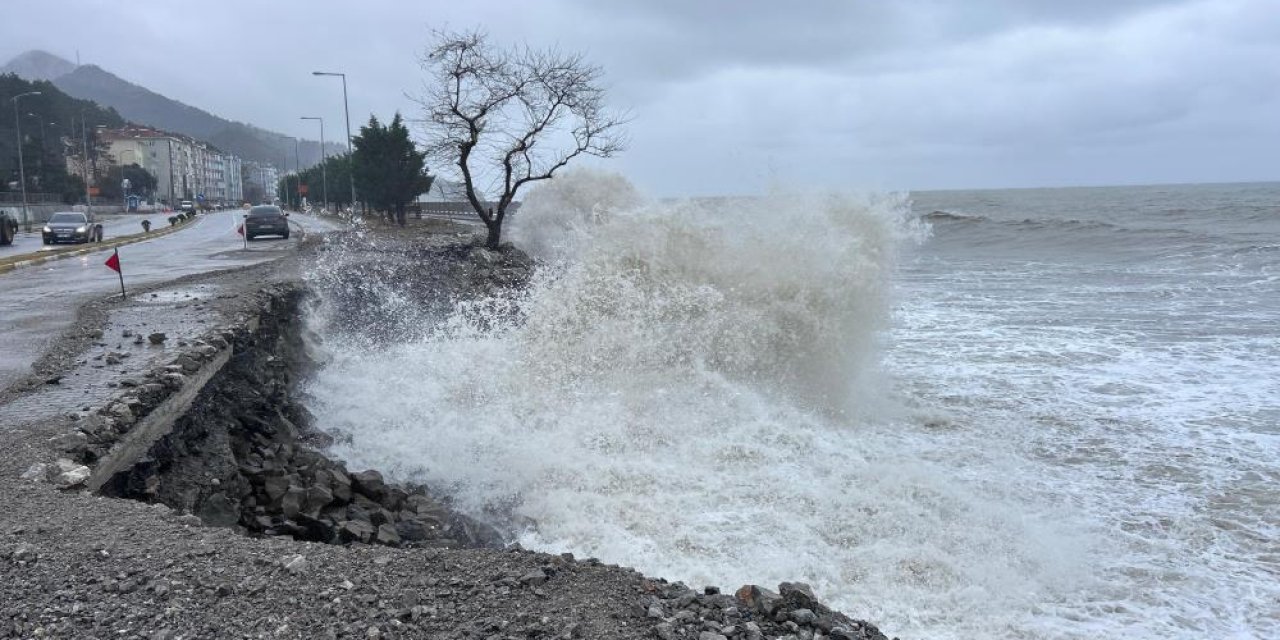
(1032, 413)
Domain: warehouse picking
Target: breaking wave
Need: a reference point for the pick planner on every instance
(691, 388)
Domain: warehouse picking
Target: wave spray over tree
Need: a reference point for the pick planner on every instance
(508, 118)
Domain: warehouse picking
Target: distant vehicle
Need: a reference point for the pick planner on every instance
(8, 228)
(266, 220)
(71, 226)
(186, 206)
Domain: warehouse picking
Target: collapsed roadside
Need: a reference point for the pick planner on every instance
(236, 503)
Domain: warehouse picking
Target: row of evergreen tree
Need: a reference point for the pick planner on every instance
(389, 173)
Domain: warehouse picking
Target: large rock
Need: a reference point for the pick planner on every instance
(382, 516)
(275, 488)
(68, 474)
(319, 529)
(387, 535)
(355, 531)
(394, 498)
(759, 599)
(292, 501)
(799, 595)
(218, 510)
(369, 483)
(340, 486)
(318, 497)
(414, 530)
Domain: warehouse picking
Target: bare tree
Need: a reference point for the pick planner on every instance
(508, 118)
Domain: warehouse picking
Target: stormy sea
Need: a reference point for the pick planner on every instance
(1047, 413)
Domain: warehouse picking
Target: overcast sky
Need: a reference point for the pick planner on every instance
(732, 96)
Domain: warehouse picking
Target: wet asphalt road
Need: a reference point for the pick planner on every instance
(38, 303)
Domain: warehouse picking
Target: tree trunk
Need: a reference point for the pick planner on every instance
(495, 235)
(400, 215)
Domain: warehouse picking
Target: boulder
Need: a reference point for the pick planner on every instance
(414, 530)
(419, 503)
(340, 486)
(292, 501)
(759, 599)
(799, 595)
(382, 516)
(67, 474)
(275, 488)
(355, 531)
(394, 498)
(804, 617)
(318, 529)
(219, 511)
(387, 535)
(318, 497)
(369, 483)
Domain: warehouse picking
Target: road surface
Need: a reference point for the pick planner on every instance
(38, 303)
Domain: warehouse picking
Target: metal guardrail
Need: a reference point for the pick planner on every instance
(454, 210)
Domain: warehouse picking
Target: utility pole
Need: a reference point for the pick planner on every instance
(297, 172)
(22, 171)
(170, 141)
(84, 146)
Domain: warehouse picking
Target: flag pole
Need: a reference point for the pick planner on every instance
(119, 271)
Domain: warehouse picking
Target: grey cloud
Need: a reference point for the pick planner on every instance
(731, 95)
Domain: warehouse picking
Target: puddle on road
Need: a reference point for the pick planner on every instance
(191, 293)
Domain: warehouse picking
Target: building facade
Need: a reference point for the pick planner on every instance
(185, 168)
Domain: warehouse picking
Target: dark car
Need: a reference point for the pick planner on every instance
(266, 220)
(8, 228)
(71, 226)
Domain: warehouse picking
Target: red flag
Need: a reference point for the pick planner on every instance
(240, 229)
(113, 263)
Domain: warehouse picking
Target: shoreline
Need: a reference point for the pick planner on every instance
(83, 565)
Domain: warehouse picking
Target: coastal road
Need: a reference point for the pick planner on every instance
(38, 303)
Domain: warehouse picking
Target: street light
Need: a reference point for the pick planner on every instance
(351, 172)
(297, 172)
(324, 161)
(22, 171)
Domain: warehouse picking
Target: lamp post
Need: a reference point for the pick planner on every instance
(282, 182)
(346, 109)
(324, 161)
(297, 172)
(22, 171)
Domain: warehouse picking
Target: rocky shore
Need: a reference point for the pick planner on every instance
(164, 481)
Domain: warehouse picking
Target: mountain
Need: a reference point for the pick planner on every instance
(38, 65)
(49, 121)
(143, 106)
